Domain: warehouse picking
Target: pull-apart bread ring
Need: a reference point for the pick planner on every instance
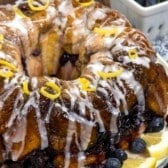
(70, 73)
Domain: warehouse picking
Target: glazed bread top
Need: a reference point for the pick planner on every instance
(115, 70)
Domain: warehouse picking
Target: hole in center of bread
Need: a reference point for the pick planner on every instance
(64, 67)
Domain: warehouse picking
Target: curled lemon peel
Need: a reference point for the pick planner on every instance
(106, 32)
(106, 75)
(85, 4)
(1, 40)
(25, 87)
(132, 53)
(7, 74)
(38, 8)
(8, 64)
(85, 85)
(19, 12)
(56, 89)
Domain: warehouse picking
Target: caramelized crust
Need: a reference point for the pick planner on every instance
(78, 120)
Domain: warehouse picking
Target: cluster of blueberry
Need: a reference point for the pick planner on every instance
(115, 159)
(68, 57)
(149, 2)
(137, 146)
(38, 159)
(115, 156)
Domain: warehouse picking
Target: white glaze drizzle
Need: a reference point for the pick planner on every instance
(83, 26)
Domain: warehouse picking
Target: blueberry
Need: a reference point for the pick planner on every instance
(113, 163)
(155, 125)
(36, 52)
(73, 59)
(141, 2)
(138, 145)
(68, 57)
(24, 7)
(120, 154)
(110, 150)
(64, 59)
(150, 2)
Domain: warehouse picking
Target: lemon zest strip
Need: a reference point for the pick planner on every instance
(19, 12)
(38, 8)
(85, 4)
(132, 53)
(106, 32)
(25, 87)
(11, 66)
(1, 40)
(7, 74)
(53, 86)
(106, 75)
(85, 85)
